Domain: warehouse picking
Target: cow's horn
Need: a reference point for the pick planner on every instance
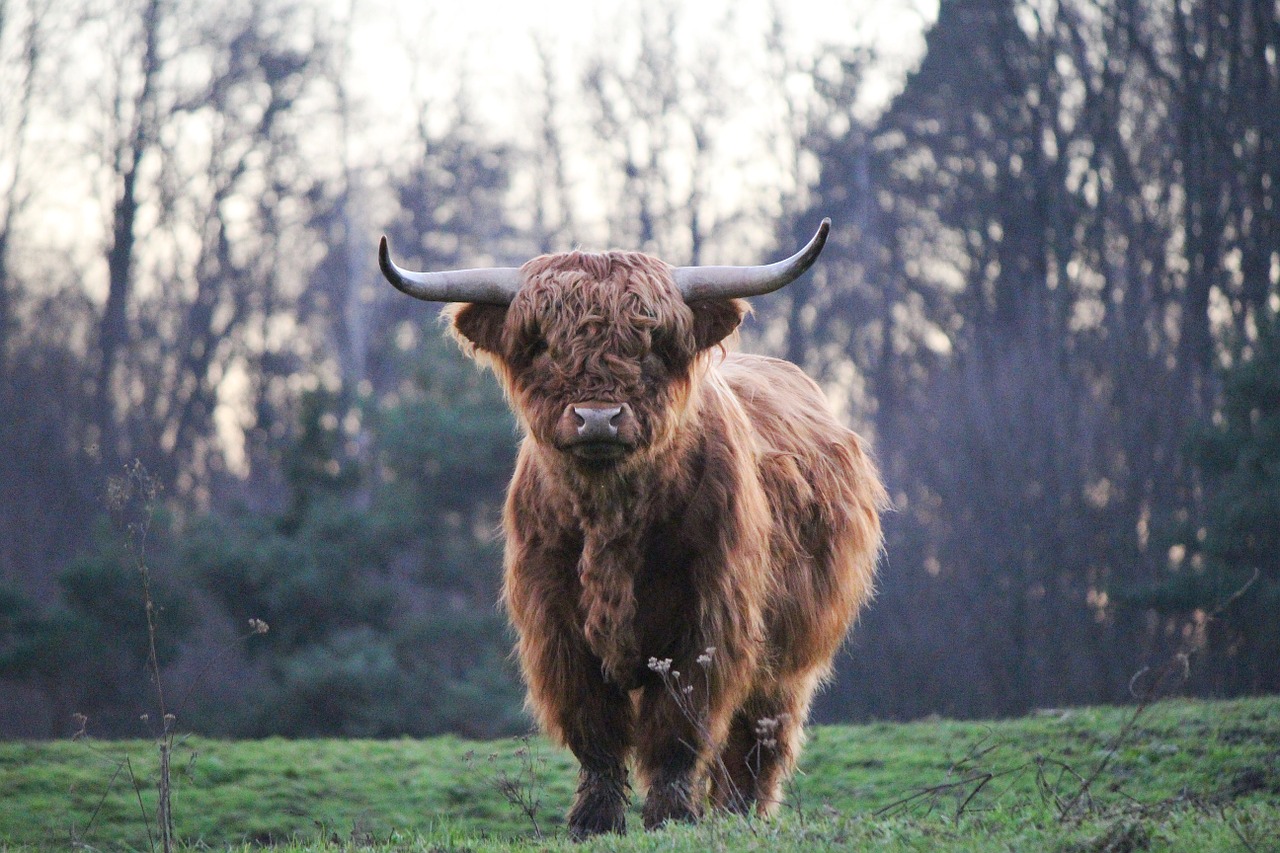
(496, 286)
(726, 282)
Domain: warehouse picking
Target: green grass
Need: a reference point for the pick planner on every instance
(1189, 776)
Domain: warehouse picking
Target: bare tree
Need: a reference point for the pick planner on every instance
(659, 114)
(133, 105)
(41, 377)
(23, 32)
(198, 157)
(553, 207)
(1057, 207)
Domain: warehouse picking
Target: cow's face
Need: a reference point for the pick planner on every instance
(598, 352)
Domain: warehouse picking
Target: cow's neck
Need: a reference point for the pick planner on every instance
(614, 511)
(608, 511)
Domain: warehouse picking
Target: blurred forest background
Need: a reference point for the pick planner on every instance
(1050, 301)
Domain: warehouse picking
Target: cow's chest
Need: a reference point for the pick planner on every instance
(639, 601)
(665, 596)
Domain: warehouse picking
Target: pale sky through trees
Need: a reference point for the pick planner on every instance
(403, 55)
(494, 39)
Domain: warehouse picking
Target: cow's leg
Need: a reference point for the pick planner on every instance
(601, 800)
(670, 754)
(677, 731)
(591, 716)
(733, 780)
(596, 728)
(594, 721)
(760, 752)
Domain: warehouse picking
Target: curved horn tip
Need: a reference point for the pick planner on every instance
(393, 273)
(384, 258)
(697, 283)
(819, 238)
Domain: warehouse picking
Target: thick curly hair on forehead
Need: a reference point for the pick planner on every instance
(599, 310)
(599, 314)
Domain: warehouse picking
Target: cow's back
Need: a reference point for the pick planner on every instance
(824, 494)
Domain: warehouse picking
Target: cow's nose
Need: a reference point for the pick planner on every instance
(598, 422)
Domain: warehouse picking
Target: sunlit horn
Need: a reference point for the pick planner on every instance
(727, 282)
(496, 286)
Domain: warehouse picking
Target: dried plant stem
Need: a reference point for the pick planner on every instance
(137, 481)
(1180, 663)
(164, 782)
(522, 791)
(131, 499)
(1079, 803)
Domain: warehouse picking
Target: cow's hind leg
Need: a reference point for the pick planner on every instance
(733, 776)
(760, 752)
(679, 729)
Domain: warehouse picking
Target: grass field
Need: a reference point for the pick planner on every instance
(1186, 776)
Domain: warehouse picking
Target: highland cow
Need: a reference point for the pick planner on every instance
(689, 532)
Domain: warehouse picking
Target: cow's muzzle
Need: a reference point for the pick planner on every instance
(597, 423)
(597, 432)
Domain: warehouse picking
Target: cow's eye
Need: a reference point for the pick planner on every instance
(537, 347)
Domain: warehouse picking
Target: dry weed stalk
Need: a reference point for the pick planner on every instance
(1074, 806)
(523, 789)
(1176, 668)
(131, 500)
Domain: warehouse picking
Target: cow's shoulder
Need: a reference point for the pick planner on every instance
(782, 404)
(801, 445)
(762, 380)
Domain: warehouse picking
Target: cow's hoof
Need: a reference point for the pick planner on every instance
(669, 802)
(599, 808)
(588, 819)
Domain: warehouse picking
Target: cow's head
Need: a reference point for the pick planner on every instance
(599, 352)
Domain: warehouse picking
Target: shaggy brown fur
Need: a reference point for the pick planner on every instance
(743, 517)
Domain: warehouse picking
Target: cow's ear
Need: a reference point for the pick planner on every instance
(480, 326)
(715, 319)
